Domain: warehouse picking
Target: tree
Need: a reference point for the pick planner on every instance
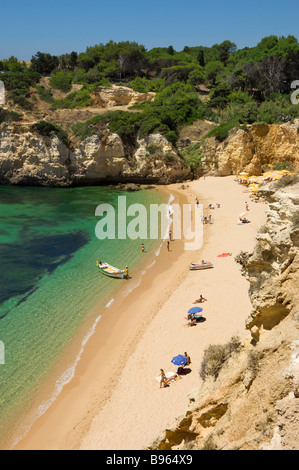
(170, 50)
(212, 69)
(268, 43)
(85, 61)
(201, 58)
(73, 60)
(225, 49)
(272, 74)
(44, 63)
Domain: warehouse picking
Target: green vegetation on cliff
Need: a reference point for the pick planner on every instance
(241, 86)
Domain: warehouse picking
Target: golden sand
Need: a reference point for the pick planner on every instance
(114, 401)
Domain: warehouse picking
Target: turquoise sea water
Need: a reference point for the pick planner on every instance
(49, 282)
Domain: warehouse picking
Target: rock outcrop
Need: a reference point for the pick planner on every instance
(254, 402)
(28, 158)
(32, 159)
(249, 150)
(107, 97)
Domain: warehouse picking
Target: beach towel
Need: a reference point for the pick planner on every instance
(168, 375)
(224, 255)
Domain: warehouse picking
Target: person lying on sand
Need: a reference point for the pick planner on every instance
(189, 359)
(201, 300)
(191, 322)
(165, 381)
(190, 316)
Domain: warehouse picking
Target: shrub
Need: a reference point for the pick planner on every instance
(62, 81)
(283, 166)
(295, 220)
(87, 128)
(76, 99)
(192, 156)
(48, 129)
(215, 356)
(222, 131)
(18, 85)
(9, 116)
(172, 137)
(45, 94)
(287, 180)
(209, 444)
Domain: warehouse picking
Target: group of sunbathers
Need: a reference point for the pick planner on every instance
(165, 381)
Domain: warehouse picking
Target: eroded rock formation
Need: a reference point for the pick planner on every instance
(254, 402)
(28, 158)
(107, 97)
(248, 150)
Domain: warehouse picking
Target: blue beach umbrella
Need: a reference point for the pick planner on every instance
(195, 310)
(179, 360)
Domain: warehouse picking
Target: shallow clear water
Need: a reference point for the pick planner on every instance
(48, 280)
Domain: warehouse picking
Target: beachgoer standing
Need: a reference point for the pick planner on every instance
(142, 248)
(246, 205)
(168, 247)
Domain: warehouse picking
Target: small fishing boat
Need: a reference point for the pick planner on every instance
(198, 267)
(111, 271)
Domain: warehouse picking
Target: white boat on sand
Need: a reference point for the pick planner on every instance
(198, 267)
(111, 271)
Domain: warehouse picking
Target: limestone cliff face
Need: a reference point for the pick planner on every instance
(248, 150)
(254, 402)
(107, 97)
(28, 158)
(275, 262)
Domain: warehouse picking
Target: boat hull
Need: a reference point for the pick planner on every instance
(199, 267)
(110, 271)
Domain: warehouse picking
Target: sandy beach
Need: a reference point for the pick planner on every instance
(114, 401)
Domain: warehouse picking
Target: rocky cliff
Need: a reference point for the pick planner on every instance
(106, 97)
(251, 148)
(253, 404)
(29, 158)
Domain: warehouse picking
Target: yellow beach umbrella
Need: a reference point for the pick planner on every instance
(255, 190)
(276, 177)
(253, 178)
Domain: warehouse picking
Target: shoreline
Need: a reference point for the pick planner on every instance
(130, 410)
(108, 321)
